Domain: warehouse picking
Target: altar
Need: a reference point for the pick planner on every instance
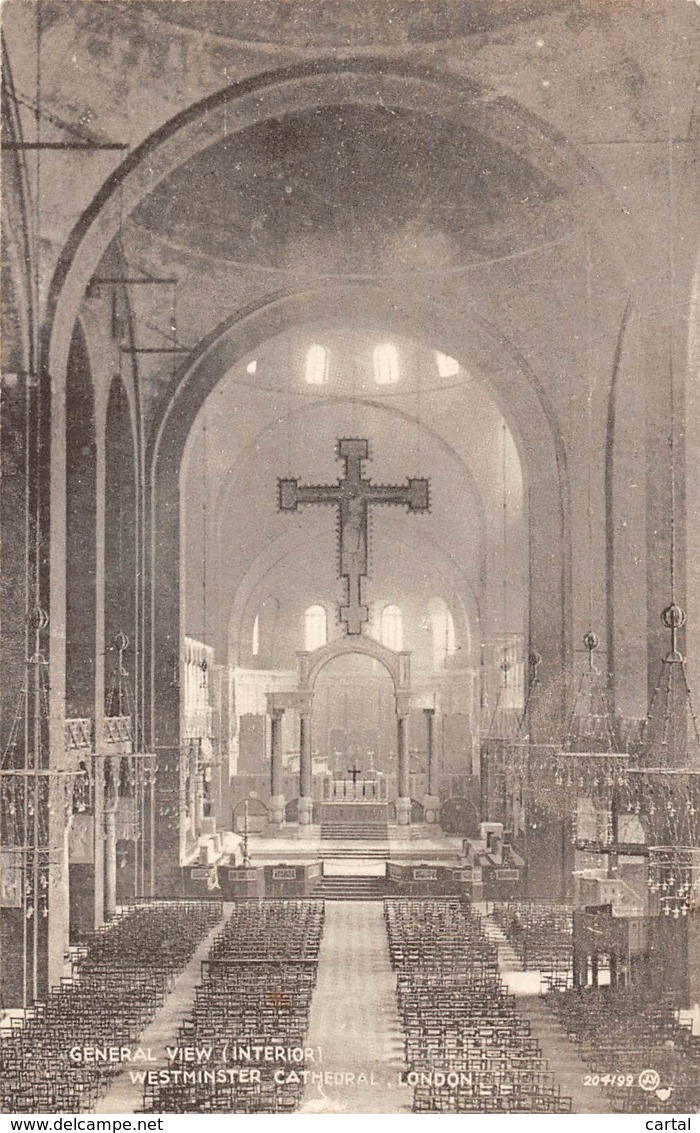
(355, 807)
(342, 790)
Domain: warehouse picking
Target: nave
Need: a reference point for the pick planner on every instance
(277, 1006)
(350, 554)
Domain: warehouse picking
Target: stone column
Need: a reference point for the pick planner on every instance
(110, 816)
(99, 762)
(59, 884)
(305, 801)
(199, 809)
(192, 791)
(403, 803)
(431, 802)
(277, 800)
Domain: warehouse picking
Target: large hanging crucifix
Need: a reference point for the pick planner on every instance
(352, 496)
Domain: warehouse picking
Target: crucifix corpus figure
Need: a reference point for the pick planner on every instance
(351, 496)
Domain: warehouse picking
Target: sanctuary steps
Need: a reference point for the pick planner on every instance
(359, 831)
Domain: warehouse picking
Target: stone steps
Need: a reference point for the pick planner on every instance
(355, 831)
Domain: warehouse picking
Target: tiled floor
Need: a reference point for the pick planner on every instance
(354, 1019)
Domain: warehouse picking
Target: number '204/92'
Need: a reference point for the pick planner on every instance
(608, 1080)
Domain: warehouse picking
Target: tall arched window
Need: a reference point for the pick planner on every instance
(386, 365)
(263, 633)
(317, 365)
(446, 367)
(392, 627)
(442, 627)
(315, 628)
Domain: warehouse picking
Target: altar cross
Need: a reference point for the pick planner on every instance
(352, 495)
(355, 772)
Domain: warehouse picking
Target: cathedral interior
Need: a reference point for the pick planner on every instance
(410, 782)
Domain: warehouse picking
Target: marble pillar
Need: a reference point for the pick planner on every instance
(277, 800)
(305, 800)
(431, 802)
(110, 844)
(403, 802)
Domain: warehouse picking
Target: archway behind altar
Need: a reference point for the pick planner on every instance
(398, 665)
(353, 727)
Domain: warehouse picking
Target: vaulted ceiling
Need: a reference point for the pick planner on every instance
(514, 183)
(352, 189)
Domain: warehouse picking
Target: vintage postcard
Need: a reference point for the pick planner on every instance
(350, 545)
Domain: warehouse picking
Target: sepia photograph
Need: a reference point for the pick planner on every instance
(350, 558)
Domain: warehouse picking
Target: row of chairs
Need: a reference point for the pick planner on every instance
(118, 980)
(540, 932)
(169, 930)
(279, 928)
(254, 996)
(558, 975)
(422, 943)
(467, 1050)
(623, 1032)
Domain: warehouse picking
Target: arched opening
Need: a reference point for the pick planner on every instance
(303, 90)
(249, 815)
(81, 617)
(81, 508)
(290, 443)
(124, 844)
(353, 720)
(442, 632)
(255, 551)
(257, 646)
(459, 815)
(386, 364)
(120, 554)
(317, 365)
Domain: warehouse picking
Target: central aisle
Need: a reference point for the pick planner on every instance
(354, 1019)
